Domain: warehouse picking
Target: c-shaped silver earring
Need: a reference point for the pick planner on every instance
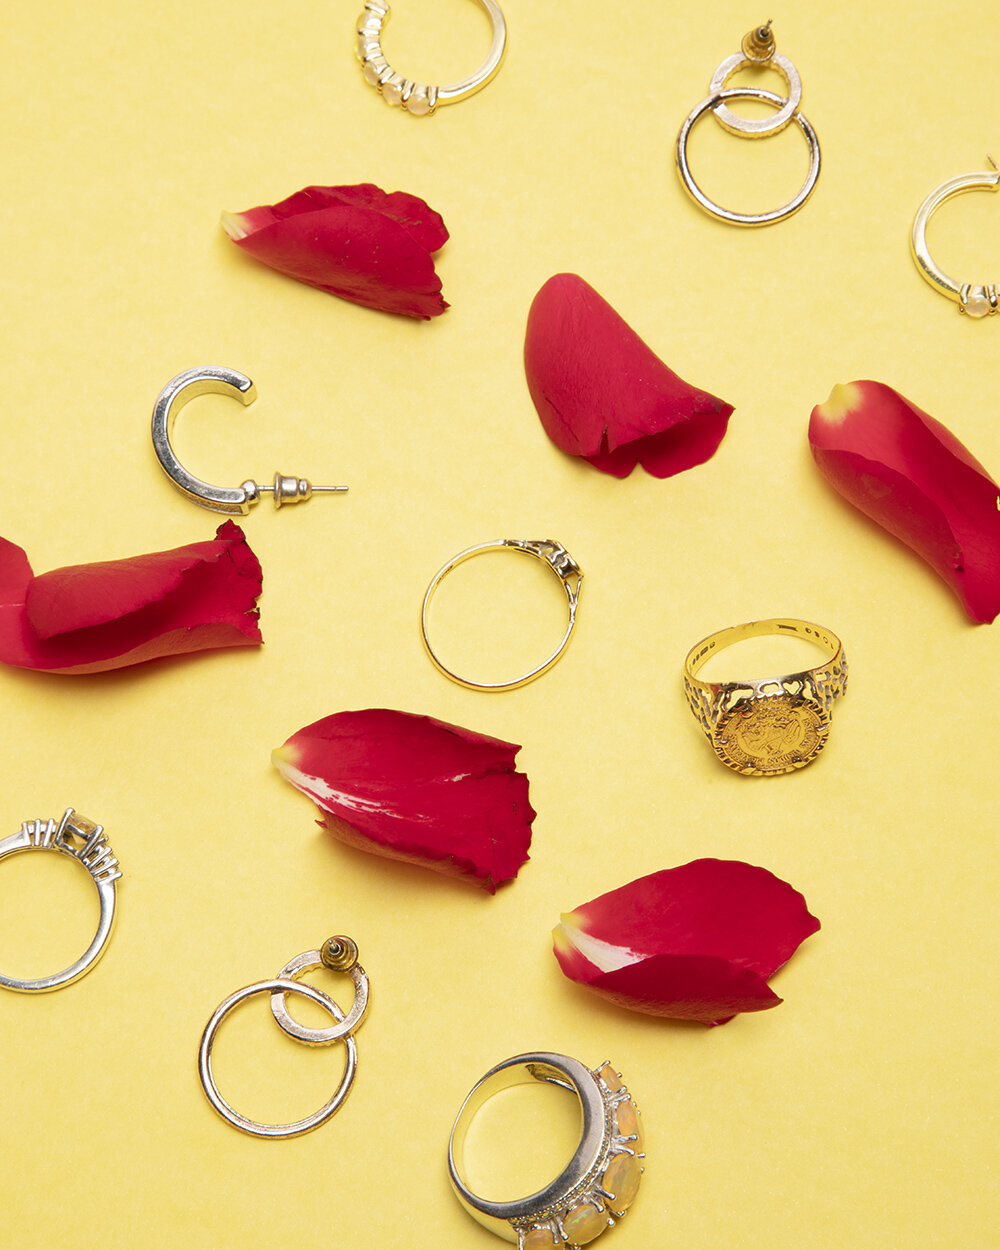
(217, 380)
(975, 301)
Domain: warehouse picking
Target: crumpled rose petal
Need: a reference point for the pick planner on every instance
(357, 242)
(603, 395)
(914, 478)
(697, 942)
(417, 789)
(89, 618)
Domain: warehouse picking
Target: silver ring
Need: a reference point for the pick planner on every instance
(725, 214)
(756, 127)
(419, 98)
(555, 556)
(306, 962)
(83, 840)
(598, 1184)
(976, 301)
(284, 986)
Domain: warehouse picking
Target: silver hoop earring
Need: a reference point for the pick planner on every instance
(974, 301)
(82, 840)
(339, 954)
(236, 501)
(418, 98)
(758, 49)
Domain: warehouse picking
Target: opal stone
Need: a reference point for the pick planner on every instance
(611, 1078)
(629, 1124)
(538, 1239)
(622, 1179)
(584, 1223)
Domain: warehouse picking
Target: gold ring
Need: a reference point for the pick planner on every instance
(554, 556)
(775, 724)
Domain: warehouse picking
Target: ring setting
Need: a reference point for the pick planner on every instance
(771, 725)
(598, 1185)
(82, 840)
(417, 98)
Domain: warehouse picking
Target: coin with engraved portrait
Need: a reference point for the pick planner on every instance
(771, 735)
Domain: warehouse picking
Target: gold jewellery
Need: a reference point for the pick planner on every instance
(776, 724)
(554, 556)
(757, 49)
(975, 301)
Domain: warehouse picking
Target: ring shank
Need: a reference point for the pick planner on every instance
(701, 652)
(106, 891)
(308, 962)
(987, 180)
(490, 67)
(521, 1070)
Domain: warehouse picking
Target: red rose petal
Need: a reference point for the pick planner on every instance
(914, 478)
(697, 942)
(91, 618)
(602, 394)
(357, 242)
(413, 788)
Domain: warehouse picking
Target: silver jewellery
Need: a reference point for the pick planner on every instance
(775, 724)
(598, 1184)
(240, 499)
(83, 840)
(418, 98)
(555, 556)
(976, 301)
(758, 48)
(340, 954)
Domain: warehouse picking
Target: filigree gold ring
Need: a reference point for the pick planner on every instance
(417, 98)
(554, 556)
(82, 840)
(598, 1184)
(774, 724)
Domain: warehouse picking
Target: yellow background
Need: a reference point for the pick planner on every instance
(862, 1111)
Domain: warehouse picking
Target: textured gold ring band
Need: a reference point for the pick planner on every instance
(762, 727)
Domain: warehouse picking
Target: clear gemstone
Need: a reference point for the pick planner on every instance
(369, 23)
(366, 47)
(371, 71)
(977, 302)
(418, 103)
(392, 89)
(584, 1223)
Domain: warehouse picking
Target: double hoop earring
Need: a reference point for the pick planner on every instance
(757, 49)
(339, 954)
(236, 501)
(974, 301)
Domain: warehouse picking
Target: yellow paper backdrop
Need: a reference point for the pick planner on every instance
(862, 1111)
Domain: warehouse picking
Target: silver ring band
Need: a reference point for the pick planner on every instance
(281, 985)
(725, 214)
(421, 99)
(81, 839)
(599, 1182)
(555, 556)
(295, 968)
(976, 301)
(756, 127)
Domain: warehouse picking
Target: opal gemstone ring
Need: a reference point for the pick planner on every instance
(598, 1184)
